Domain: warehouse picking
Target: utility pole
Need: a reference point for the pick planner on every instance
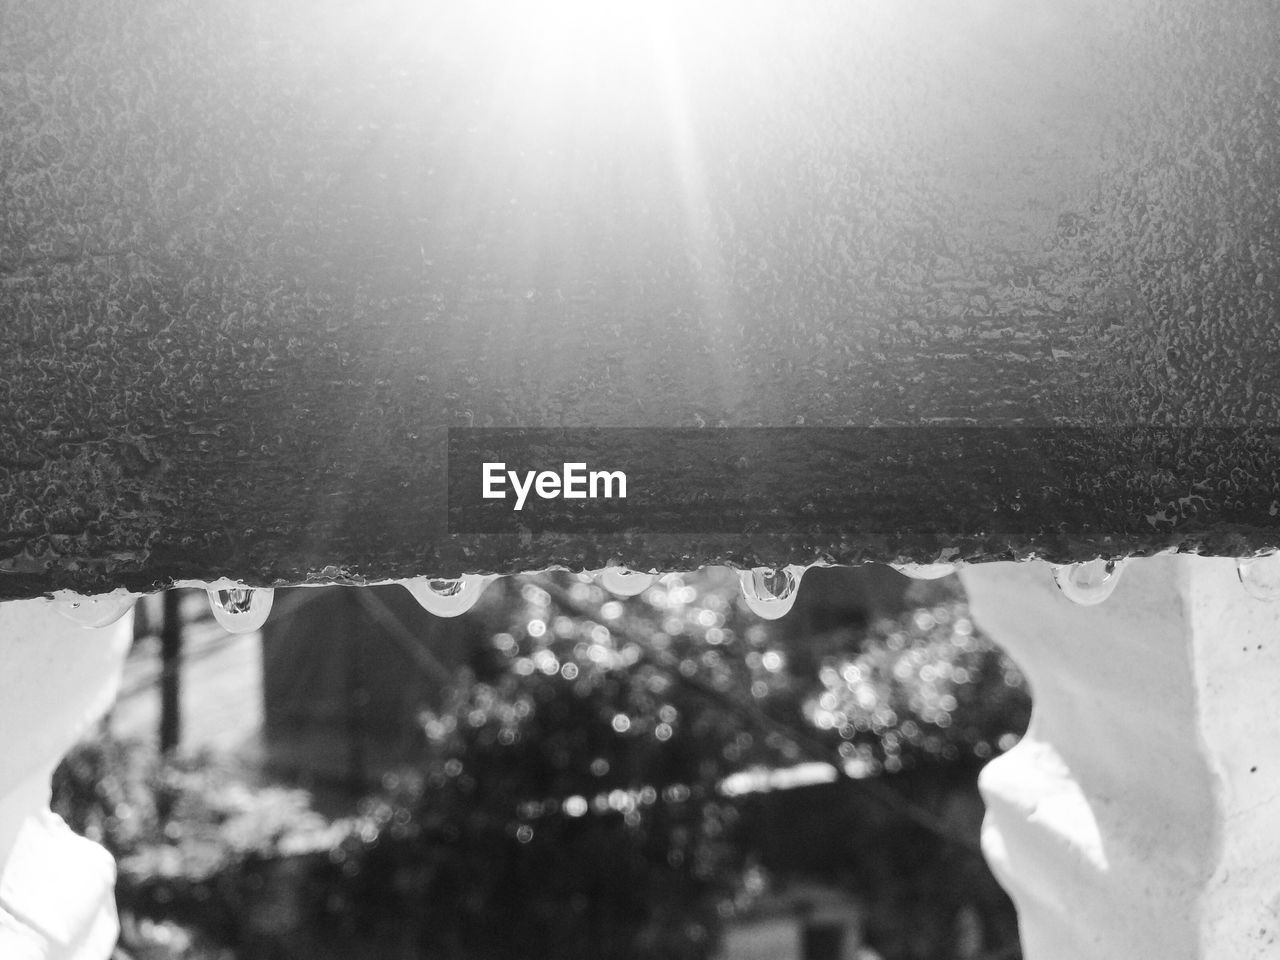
(171, 671)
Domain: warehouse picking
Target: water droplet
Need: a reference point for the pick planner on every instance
(771, 593)
(622, 582)
(1088, 583)
(925, 571)
(95, 611)
(1260, 576)
(448, 598)
(240, 609)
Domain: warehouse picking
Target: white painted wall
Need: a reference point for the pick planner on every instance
(1140, 815)
(56, 678)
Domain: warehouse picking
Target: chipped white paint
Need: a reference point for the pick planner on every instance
(56, 678)
(1139, 816)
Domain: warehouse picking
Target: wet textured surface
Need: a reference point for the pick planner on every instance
(255, 258)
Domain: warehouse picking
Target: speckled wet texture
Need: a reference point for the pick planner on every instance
(256, 256)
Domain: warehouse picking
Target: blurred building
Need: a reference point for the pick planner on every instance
(346, 671)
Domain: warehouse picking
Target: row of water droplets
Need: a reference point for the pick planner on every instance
(238, 608)
(769, 592)
(242, 609)
(1092, 582)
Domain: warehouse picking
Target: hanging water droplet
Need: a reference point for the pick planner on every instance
(925, 571)
(448, 598)
(241, 609)
(1260, 576)
(622, 582)
(770, 593)
(95, 611)
(1088, 583)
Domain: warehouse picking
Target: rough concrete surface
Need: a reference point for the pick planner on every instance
(256, 258)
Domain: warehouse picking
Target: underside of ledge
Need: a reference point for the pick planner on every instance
(257, 259)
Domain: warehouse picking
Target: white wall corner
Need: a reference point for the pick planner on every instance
(1140, 815)
(56, 677)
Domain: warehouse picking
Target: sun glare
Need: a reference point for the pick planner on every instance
(587, 60)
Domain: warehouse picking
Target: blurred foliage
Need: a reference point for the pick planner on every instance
(568, 806)
(924, 688)
(570, 802)
(186, 815)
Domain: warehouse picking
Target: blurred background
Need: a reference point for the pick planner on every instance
(559, 773)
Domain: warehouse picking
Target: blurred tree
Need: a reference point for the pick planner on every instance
(570, 805)
(573, 799)
(920, 687)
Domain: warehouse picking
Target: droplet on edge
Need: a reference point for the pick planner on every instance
(241, 609)
(622, 582)
(94, 611)
(1260, 576)
(925, 571)
(1088, 583)
(771, 593)
(448, 598)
